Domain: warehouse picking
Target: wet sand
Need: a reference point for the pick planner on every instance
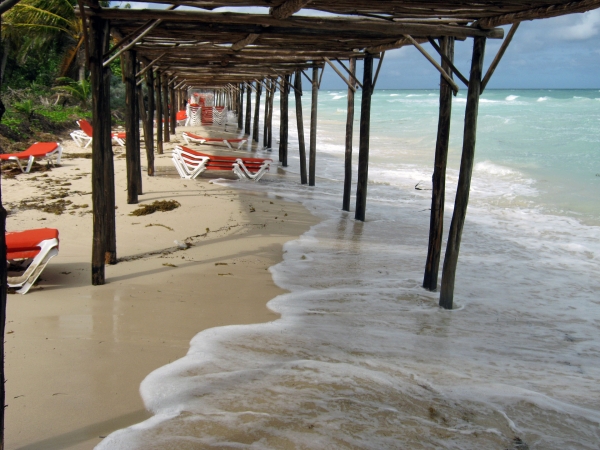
(76, 353)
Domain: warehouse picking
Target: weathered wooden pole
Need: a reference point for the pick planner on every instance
(248, 109)
(300, 124)
(173, 110)
(363, 144)
(464, 178)
(312, 159)
(165, 105)
(3, 278)
(284, 120)
(436, 221)
(267, 112)
(240, 108)
(149, 129)
(349, 133)
(270, 118)
(256, 112)
(101, 147)
(159, 115)
(138, 140)
(131, 147)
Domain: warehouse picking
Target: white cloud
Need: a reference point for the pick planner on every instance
(577, 27)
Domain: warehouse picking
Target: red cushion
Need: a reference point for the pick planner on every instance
(38, 149)
(25, 244)
(86, 127)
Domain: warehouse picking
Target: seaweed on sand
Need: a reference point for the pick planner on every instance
(158, 205)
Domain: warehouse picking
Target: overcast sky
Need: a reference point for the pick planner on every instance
(562, 52)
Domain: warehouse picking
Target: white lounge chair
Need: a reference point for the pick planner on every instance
(190, 137)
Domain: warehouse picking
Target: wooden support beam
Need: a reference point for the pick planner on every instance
(149, 124)
(312, 158)
(284, 121)
(363, 146)
(447, 77)
(300, 124)
(165, 105)
(172, 111)
(86, 38)
(266, 116)
(340, 74)
(378, 69)
(499, 56)
(448, 63)
(545, 12)
(248, 110)
(349, 133)
(438, 196)
(130, 126)
(250, 39)
(133, 42)
(270, 119)
(256, 112)
(464, 178)
(240, 109)
(102, 193)
(159, 114)
(288, 8)
(352, 75)
(138, 138)
(149, 65)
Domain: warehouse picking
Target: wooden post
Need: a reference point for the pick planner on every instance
(131, 148)
(159, 115)
(270, 118)
(165, 105)
(136, 127)
(240, 109)
(173, 110)
(266, 116)
(312, 160)
(464, 178)
(149, 129)
(300, 124)
(256, 112)
(110, 252)
(436, 222)
(284, 120)
(248, 110)
(363, 146)
(101, 147)
(349, 132)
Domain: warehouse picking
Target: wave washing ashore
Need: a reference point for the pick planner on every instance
(362, 356)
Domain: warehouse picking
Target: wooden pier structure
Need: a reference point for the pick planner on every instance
(239, 54)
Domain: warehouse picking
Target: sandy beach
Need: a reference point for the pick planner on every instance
(75, 353)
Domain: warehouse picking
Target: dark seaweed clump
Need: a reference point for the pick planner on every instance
(158, 205)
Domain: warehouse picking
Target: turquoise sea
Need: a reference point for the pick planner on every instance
(362, 357)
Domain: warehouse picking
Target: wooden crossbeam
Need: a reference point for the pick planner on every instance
(499, 55)
(437, 48)
(287, 8)
(237, 46)
(352, 75)
(447, 77)
(378, 69)
(340, 74)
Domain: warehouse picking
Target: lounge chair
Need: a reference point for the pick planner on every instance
(189, 137)
(190, 164)
(31, 249)
(181, 118)
(39, 150)
(85, 135)
(193, 114)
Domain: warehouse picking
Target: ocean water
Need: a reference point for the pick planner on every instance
(362, 356)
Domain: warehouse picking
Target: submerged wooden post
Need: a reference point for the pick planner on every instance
(312, 158)
(130, 125)
(149, 129)
(256, 112)
(284, 120)
(363, 146)
(248, 110)
(266, 116)
(300, 124)
(173, 110)
(349, 132)
(159, 115)
(436, 222)
(240, 109)
(101, 148)
(165, 105)
(464, 178)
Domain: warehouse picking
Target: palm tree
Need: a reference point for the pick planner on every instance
(35, 25)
